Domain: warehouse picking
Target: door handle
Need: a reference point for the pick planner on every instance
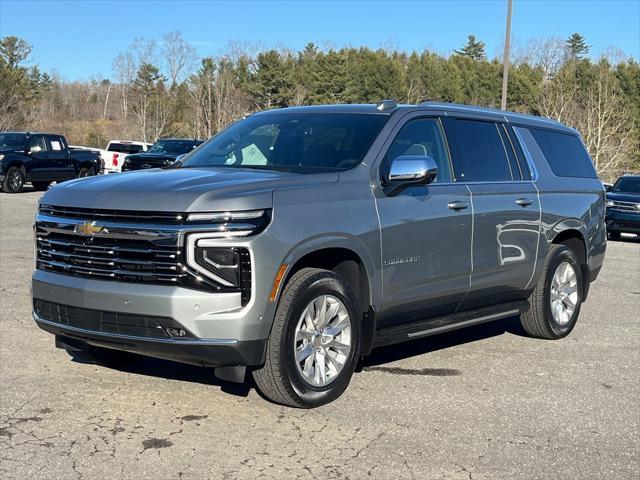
(524, 202)
(458, 205)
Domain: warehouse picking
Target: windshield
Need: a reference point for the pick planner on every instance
(12, 140)
(176, 147)
(124, 148)
(297, 142)
(627, 185)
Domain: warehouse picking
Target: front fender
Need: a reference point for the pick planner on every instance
(343, 241)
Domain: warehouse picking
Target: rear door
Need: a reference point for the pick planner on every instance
(426, 243)
(506, 210)
(60, 157)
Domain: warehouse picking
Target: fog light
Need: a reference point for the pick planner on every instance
(176, 332)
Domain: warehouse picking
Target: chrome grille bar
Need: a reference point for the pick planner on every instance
(625, 206)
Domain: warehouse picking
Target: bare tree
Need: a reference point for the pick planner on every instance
(606, 125)
(179, 56)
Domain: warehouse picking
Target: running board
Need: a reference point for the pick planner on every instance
(447, 323)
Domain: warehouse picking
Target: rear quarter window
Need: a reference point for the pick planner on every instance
(565, 153)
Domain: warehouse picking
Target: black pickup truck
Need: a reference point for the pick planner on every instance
(161, 154)
(42, 158)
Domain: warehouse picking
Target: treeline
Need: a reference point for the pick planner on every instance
(164, 89)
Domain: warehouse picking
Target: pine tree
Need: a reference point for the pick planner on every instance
(577, 46)
(473, 49)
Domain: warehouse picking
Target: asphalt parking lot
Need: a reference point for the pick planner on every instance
(483, 403)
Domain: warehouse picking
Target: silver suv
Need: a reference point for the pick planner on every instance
(295, 241)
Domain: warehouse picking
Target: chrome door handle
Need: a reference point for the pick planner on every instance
(458, 205)
(524, 202)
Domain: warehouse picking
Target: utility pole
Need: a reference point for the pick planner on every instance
(505, 60)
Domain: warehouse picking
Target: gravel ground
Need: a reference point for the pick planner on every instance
(483, 403)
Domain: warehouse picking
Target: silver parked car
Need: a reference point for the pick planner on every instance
(295, 241)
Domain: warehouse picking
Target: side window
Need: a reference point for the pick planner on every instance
(525, 168)
(480, 154)
(38, 141)
(422, 136)
(56, 144)
(565, 153)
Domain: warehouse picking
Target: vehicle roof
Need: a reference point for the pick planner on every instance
(132, 142)
(35, 133)
(391, 108)
(182, 139)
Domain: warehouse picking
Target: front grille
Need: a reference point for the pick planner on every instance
(110, 259)
(628, 207)
(132, 216)
(137, 247)
(110, 322)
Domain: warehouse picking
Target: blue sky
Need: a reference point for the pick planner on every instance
(80, 39)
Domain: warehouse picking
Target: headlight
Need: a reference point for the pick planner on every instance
(610, 203)
(637, 206)
(1, 157)
(212, 255)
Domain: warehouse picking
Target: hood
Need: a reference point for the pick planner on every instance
(6, 150)
(151, 157)
(623, 197)
(180, 189)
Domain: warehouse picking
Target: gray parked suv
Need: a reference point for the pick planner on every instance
(295, 241)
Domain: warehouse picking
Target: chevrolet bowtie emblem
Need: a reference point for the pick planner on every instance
(89, 228)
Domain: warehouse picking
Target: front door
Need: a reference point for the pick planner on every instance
(40, 167)
(425, 233)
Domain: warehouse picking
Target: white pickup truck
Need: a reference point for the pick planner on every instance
(113, 156)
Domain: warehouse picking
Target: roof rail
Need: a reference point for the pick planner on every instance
(385, 105)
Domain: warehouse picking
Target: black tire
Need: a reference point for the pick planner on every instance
(13, 180)
(614, 235)
(539, 321)
(40, 186)
(86, 172)
(106, 357)
(279, 379)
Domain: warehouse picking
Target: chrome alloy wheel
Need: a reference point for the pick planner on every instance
(322, 340)
(564, 293)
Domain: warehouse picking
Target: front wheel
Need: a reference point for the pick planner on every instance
(313, 347)
(13, 180)
(555, 302)
(86, 172)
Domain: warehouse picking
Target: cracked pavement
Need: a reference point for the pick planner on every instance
(481, 403)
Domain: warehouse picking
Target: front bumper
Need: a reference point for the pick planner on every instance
(622, 222)
(202, 352)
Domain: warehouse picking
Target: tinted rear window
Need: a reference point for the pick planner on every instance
(565, 153)
(480, 154)
(124, 148)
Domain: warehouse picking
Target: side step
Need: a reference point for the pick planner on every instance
(447, 323)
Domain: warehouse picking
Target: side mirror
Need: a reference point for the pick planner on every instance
(407, 170)
(35, 149)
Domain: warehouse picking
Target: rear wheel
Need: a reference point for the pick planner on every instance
(555, 302)
(313, 347)
(13, 180)
(40, 186)
(86, 172)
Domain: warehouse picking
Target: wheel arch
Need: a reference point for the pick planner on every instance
(576, 241)
(343, 257)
